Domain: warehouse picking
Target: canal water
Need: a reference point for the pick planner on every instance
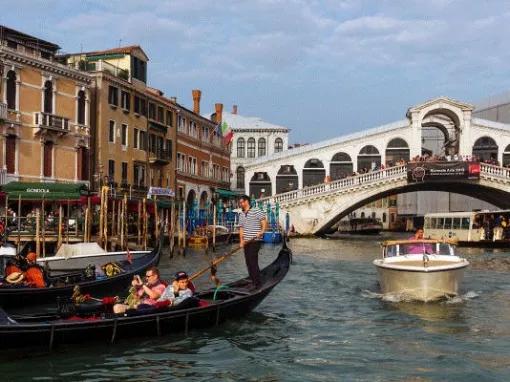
(325, 322)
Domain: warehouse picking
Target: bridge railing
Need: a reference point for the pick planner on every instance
(337, 185)
(494, 171)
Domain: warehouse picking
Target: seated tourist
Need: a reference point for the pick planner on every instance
(148, 292)
(34, 275)
(179, 290)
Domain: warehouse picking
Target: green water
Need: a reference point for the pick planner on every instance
(325, 322)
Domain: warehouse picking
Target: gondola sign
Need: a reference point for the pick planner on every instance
(442, 170)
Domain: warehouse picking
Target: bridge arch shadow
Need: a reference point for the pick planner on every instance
(497, 197)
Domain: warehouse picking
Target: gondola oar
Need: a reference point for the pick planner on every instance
(215, 262)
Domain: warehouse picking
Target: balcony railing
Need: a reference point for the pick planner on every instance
(3, 111)
(160, 156)
(102, 66)
(52, 122)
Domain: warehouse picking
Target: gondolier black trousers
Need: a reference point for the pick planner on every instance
(251, 255)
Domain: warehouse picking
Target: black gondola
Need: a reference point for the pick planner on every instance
(231, 301)
(61, 285)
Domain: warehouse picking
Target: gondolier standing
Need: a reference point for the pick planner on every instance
(253, 223)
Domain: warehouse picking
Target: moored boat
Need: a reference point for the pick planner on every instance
(86, 269)
(423, 270)
(208, 308)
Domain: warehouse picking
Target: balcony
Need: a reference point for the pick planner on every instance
(52, 122)
(161, 157)
(102, 66)
(3, 111)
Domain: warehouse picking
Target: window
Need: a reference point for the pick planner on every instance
(140, 107)
(139, 69)
(161, 115)
(81, 107)
(448, 223)
(204, 169)
(111, 132)
(113, 95)
(169, 118)
(180, 161)
(123, 135)
(139, 174)
(181, 124)
(48, 159)
(169, 149)
(143, 140)
(11, 90)
(251, 147)
(10, 154)
(384, 217)
(240, 177)
(278, 145)
(152, 111)
(111, 170)
(124, 172)
(193, 129)
(48, 97)
(135, 138)
(262, 147)
(83, 161)
(12, 44)
(240, 148)
(125, 100)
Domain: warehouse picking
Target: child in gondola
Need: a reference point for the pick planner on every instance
(181, 289)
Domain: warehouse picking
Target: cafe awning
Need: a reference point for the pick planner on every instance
(46, 191)
(223, 193)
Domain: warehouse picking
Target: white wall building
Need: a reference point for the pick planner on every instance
(253, 139)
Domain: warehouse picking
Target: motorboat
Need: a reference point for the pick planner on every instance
(423, 270)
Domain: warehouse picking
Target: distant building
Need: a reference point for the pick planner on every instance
(253, 138)
(44, 113)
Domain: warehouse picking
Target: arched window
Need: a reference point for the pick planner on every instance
(286, 179)
(340, 166)
(368, 158)
(278, 145)
(240, 177)
(11, 90)
(384, 217)
(240, 148)
(506, 156)
(397, 150)
(48, 97)
(262, 147)
(81, 107)
(251, 147)
(486, 149)
(313, 172)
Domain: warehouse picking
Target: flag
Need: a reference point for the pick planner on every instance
(226, 133)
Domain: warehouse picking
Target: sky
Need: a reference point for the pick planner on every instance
(321, 68)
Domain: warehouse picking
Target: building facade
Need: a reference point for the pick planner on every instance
(44, 113)
(253, 138)
(134, 124)
(203, 161)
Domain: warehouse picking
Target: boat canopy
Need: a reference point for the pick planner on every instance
(46, 191)
(80, 249)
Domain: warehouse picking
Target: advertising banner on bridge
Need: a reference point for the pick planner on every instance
(441, 171)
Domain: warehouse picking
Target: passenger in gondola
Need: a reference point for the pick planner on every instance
(181, 289)
(34, 275)
(148, 292)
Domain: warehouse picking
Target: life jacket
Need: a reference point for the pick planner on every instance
(34, 276)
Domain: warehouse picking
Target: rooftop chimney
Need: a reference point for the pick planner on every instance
(234, 109)
(173, 99)
(219, 112)
(196, 100)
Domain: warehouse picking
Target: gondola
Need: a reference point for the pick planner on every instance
(63, 275)
(205, 309)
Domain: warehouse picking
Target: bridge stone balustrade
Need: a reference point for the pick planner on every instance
(312, 209)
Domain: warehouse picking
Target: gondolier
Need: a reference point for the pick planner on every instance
(253, 223)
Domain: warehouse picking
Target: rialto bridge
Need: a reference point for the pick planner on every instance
(318, 184)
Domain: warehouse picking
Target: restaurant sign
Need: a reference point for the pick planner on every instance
(159, 191)
(440, 171)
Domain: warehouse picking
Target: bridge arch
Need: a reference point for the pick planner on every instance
(486, 149)
(396, 150)
(368, 158)
(287, 179)
(313, 172)
(260, 185)
(340, 166)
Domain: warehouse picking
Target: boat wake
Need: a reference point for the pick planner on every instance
(403, 297)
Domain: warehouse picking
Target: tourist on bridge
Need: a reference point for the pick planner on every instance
(253, 223)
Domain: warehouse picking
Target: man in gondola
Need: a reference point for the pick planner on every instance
(253, 223)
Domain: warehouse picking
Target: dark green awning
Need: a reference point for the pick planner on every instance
(46, 191)
(227, 193)
(164, 203)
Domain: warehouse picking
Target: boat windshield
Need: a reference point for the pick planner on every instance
(418, 249)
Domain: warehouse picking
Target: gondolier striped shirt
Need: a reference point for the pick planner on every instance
(250, 222)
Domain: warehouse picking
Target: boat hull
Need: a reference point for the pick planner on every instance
(423, 285)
